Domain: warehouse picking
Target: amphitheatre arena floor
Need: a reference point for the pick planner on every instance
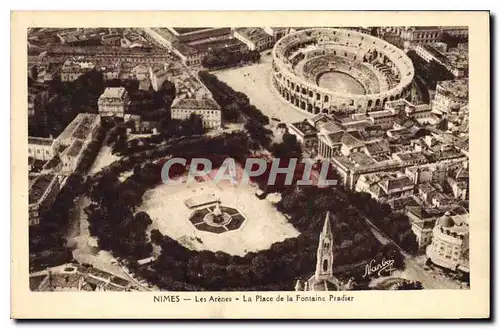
(264, 225)
(341, 82)
(255, 81)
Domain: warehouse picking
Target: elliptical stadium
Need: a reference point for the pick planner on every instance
(326, 70)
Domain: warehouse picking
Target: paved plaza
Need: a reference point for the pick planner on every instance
(263, 226)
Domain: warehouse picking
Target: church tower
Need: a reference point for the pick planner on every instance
(324, 262)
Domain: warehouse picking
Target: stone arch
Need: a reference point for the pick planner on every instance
(316, 110)
(384, 101)
(303, 105)
(377, 102)
(370, 102)
(326, 98)
(325, 111)
(297, 102)
(309, 108)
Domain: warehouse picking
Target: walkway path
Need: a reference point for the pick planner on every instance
(413, 269)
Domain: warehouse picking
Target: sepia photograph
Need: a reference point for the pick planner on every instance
(325, 159)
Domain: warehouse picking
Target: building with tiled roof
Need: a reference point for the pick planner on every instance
(255, 38)
(114, 101)
(73, 277)
(422, 221)
(385, 186)
(75, 138)
(41, 195)
(305, 132)
(73, 68)
(450, 94)
(206, 108)
(450, 242)
(41, 148)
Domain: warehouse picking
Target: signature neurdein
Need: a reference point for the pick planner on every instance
(384, 265)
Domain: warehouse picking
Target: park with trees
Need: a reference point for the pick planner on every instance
(114, 202)
(119, 228)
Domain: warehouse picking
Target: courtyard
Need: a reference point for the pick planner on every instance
(263, 224)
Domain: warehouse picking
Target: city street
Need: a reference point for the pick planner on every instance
(414, 269)
(85, 249)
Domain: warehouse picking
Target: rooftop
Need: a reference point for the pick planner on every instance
(381, 146)
(61, 49)
(305, 128)
(401, 203)
(458, 89)
(362, 159)
(217, 45)
(39, 186)
(74, 277)
(40, 141)
(75, 148)
(195, 104)
(380, 114)
(79, 127)
(350, 141)
(396, 183)
(79, 64)
(411, 156)
(434, 52)
(253, 34)
(183, 30)
(425, 28)
(114, 92)
(426, 188)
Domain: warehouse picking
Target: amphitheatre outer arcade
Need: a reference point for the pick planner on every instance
(300, 59)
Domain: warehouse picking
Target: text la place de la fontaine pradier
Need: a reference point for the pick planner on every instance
(259, 298)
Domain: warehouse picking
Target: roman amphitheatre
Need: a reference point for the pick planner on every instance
(216, 217)
(329, 70)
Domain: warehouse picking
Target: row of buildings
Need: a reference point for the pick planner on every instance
(455, 60)
(413, 157)
(58, 159)
(116, 37)
(192, 97)
(75, 277)
(192, 45)
(422, 35)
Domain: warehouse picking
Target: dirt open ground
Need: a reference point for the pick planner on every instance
(255, 81)
(264, 225)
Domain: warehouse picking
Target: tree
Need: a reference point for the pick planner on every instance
(288, 148)
(34, 72)
(409, 285)
(231, 112)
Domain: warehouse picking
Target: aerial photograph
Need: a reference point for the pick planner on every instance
(248, 158)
